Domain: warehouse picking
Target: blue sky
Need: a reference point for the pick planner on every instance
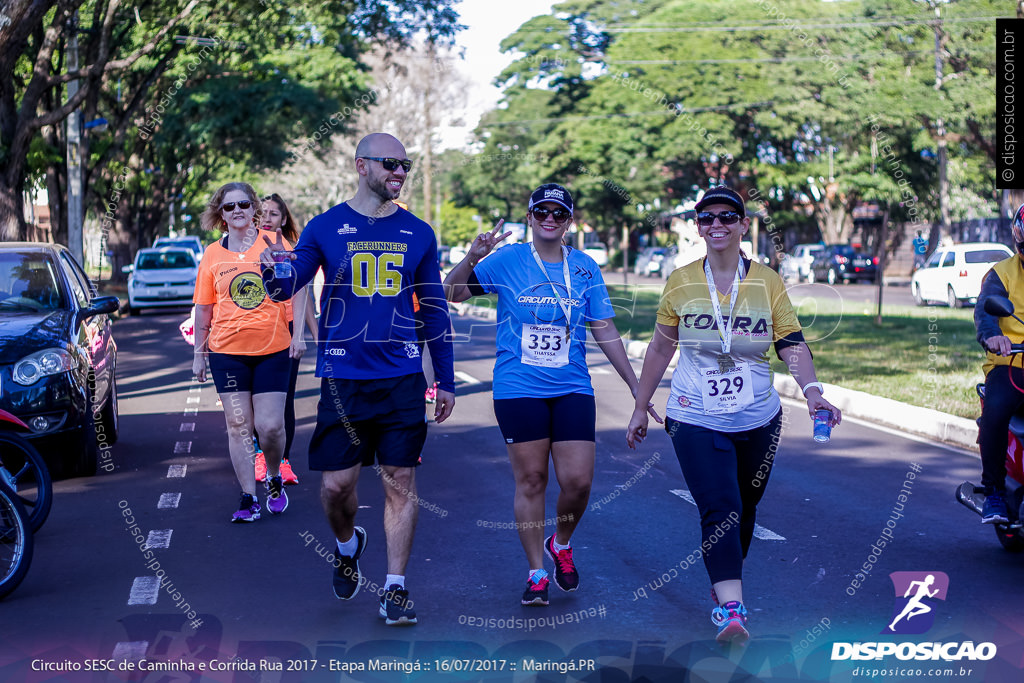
(488, 23)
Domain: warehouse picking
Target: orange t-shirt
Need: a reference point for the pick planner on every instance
(245, 320)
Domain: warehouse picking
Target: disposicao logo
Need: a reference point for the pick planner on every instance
(913, 613)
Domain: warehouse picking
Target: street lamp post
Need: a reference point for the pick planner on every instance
(74, 154)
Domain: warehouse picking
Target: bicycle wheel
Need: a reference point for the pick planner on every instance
(25, 472)
(16, 541)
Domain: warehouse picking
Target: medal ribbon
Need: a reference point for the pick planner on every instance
(724, 330)
(566, 309)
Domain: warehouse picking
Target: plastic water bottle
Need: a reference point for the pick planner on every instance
(823, 425)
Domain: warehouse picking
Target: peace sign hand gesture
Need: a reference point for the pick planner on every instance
(275, 251)
(485, 242)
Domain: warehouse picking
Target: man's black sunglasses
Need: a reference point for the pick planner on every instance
(706, 219)
(391, 163)
(230, 206)
(560, 215)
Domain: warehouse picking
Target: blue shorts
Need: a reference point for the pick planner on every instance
(255, 374)
(359, 421)
(560, 418)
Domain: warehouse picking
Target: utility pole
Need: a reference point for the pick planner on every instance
(74, 154)
(940, 133)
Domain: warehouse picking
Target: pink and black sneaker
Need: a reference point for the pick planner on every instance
(566, 576)
(536, 592)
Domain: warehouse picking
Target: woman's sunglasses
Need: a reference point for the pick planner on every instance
(230, 206)
(706, 219)
(560, 215)
(390, 163)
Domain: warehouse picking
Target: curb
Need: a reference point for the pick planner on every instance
(925, 422)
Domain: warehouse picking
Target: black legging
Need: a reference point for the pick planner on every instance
(727, 473)
(289, 409)
(1002, 401)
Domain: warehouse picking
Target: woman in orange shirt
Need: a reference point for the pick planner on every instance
(246, 337)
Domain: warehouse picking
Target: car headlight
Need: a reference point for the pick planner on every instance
(31, 368)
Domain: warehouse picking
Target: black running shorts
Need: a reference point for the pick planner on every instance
(362, 421)
(255, 374)
(559, 418)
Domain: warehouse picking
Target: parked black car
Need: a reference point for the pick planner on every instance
(57, 355)
(841, 263)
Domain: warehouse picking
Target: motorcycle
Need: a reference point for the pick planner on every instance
(1011, 534)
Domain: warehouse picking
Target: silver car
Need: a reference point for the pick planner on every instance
(796, 266)
(162, 277)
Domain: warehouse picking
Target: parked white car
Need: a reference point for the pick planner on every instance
(162, 277)
(796, 265)
(953, 274)
(597, 251)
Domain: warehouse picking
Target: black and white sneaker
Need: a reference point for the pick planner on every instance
(346, 569)
(396, 607)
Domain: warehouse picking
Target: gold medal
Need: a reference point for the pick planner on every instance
(725, 363)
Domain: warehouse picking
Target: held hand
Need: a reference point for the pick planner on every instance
(816, 402)
(636, 431)
(999, 345)
(443, 405)
(486, 241)
(654, 413)
(297, 348)
(199, 367)
(273, 253)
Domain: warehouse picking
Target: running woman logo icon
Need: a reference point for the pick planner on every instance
(911, 614)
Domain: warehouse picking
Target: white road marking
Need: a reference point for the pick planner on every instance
(195, 389)
(759, 531)
(144, 590)
(176, 471)
(182, 446)
(187, 427)
(159, 538)
(193, 399)
(466, 378)
(168, 501)
(130, 651)
(190, 411)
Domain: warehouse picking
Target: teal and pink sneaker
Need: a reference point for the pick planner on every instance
(731, 620)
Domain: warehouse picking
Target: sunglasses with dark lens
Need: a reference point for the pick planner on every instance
(390, 163)
(560, 215)
(706, 219)
(230, 206)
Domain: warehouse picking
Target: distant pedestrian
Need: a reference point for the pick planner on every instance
(375, 255)
(246, 337)
(548, 294)
(920, 250)
(724, 312)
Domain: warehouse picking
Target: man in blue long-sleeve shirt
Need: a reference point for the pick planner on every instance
(375, 255)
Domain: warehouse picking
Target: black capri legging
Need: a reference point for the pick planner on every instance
(727, 473)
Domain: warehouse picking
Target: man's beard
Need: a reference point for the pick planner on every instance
(381, 189)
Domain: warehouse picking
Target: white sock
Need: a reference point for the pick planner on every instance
(558, 548)
(349, 547)
(394, 579)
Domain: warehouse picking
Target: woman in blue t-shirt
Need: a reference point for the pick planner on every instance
(543, 398)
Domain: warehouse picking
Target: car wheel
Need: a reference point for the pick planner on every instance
(917, 295)
(832, 277)
(951, 298)
(109, 415)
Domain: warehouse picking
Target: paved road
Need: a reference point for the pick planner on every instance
(261, 592)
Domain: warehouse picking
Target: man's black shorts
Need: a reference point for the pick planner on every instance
(360, 420)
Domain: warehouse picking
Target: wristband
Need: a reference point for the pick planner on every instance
(812, 384)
